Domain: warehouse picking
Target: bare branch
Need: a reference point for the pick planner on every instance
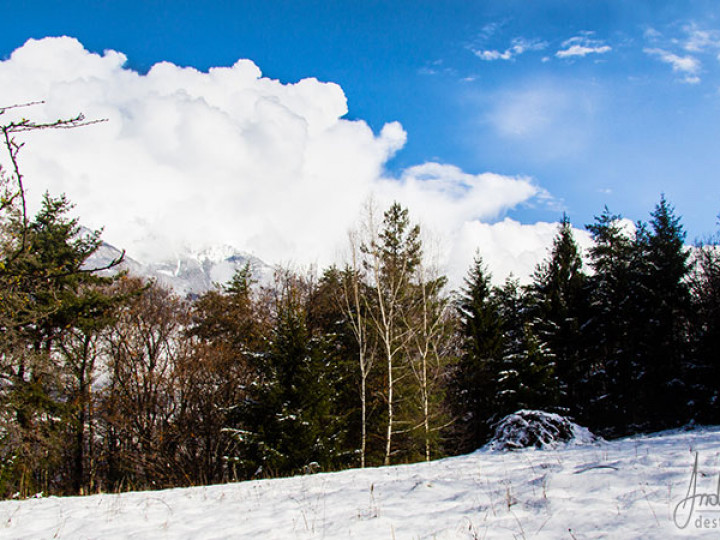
(13, 148)
(20, 105)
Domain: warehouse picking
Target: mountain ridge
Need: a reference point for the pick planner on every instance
(188, 273)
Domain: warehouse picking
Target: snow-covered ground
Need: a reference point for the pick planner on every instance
(621, 489)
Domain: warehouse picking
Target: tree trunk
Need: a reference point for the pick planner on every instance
(388, 436)
(363, 414)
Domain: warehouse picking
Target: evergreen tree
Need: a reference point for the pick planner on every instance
(475, 384)
(229, 314)
(703, 370)
(288, 417)
(46, 294)
(526, 379)
(53, 299)
(616, 311)
(664, 330)
(558, 295)
(332, 332)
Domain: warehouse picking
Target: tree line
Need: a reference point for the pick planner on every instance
(110, 382)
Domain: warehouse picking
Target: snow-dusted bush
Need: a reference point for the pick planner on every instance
(539, 429)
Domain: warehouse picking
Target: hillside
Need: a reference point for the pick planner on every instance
(627, 488)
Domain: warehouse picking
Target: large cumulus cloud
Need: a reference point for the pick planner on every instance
(191, 159)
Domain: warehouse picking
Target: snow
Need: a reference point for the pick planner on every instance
(526, 428)
(188, 272)
(627, 488)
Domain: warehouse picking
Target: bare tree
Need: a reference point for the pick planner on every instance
(141, 402)
(428, 343)
(355, 309)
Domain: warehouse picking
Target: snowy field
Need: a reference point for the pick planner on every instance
(622, 489)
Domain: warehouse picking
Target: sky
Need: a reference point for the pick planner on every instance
(270, 125)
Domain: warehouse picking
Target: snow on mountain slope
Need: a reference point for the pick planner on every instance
(188, 273)
(197, 272)
(621, 489)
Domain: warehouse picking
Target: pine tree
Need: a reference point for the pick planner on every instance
(289, 424)
(328, 323)
(638, 321)
(703, 369)
(616, 305)
(664, 336)
(526, 379)
(46, 295)
(475, 384)
(57, 301)
(558, 295)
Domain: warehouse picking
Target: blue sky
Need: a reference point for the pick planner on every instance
(599, 102)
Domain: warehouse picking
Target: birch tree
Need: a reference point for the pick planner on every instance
(354, 305)
(391, 252)
(429, 338)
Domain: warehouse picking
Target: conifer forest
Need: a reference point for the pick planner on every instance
(109, 382)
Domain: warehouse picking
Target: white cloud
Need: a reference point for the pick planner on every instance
(554, 119)
(651, 34)
(490, 29)
(694, 39)
(518, 46)
(436, 68)
(700, 40)
(444, 198)
(508, 247)
(492, 54)
(580, 50)
(582, 46)
(188, 158)
(525, 113)
(194, 159)
(688, 66)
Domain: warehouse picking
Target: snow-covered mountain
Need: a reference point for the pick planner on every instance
(188, 273)
(637, 487)
(197, 272)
